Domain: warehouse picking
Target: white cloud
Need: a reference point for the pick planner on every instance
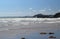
(49, 9)
(30, 8)
(41, 11)
(34, 11)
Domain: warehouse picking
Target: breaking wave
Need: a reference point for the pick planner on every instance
(14, 23)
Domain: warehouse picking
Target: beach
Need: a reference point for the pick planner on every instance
(15, 28)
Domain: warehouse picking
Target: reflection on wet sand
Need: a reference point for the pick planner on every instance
(51, 32)
(52, 37)
(43, 33)
(22, 38)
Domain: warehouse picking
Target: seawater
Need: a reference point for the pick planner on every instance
(30, 28)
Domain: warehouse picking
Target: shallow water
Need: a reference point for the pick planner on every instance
(30, 28)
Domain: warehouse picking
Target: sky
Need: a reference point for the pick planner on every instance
(28, 7)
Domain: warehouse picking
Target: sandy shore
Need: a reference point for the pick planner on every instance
(12, 27)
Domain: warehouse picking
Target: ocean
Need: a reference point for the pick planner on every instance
(29, 28)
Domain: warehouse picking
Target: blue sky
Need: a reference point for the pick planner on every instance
(28, 7)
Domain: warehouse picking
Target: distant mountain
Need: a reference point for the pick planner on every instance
(47, 16)
(43, 16)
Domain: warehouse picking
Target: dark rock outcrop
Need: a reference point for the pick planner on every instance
(57, 15)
